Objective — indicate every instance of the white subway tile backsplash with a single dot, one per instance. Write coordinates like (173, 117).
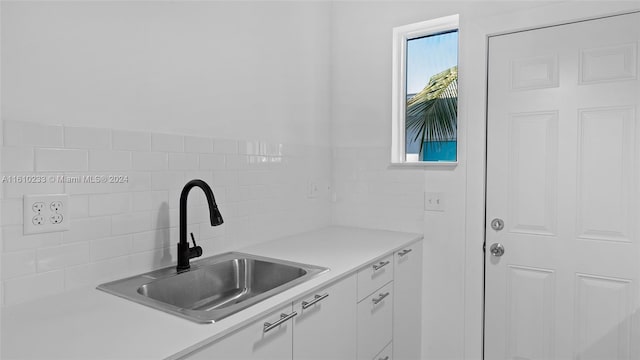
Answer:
(131, 140)
(17, 158)
(249, 147)
(61, 160)
(225, 177)
(131, 223)
(166, 180)
(224, 146)
(208, 232)
(237, 162)
(164, 218)
(255, 177)
(159, 199)
(141, 201)
(212, 161)
(78, 206)
(105, 160)
(150, 161)
(153, 259)
(90, 138)
(87, 229)
(167, 142)
(62, 256)
(97, 272)
(136, 181)
(122, 227)
(25, 288)
(13, 239)
(18, 264)
(204, 175)
(361, 181)
(42, 184)
(18, 133)
(109, 204)
(193, 144)
(86, 187)
(10, 212)
(183, 161)
(156, 239)
(237, 193)
(102, 249)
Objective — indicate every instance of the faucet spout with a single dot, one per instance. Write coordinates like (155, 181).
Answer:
(185, 252)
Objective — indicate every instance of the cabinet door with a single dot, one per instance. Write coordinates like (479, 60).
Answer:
(375, 325)
(326, 329)
(407, 303)
(252, 342)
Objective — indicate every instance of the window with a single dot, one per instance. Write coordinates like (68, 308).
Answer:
(425, 92)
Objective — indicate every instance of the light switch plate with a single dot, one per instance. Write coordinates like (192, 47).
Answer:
(45, 213)
(433, 201)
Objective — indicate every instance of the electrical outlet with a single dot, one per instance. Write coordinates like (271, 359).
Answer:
(56, 206)
(56, 218)
(45, 213)
(433, 201)
(38, 207)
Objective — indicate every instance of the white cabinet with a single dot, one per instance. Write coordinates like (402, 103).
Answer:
(254, 341)
(374, 276)
(386, 354)
(407, 303)
(322, 325)
(375, 314)
(325, 327)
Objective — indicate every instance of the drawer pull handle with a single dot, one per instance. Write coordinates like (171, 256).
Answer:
(384, 358)
(405, 252)
(380, 265)
(380, 298)
(283, 317)
(316, 298)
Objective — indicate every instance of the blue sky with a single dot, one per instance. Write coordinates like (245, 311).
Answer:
(428, 56)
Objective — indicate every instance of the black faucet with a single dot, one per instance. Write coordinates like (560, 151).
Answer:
(185, 252)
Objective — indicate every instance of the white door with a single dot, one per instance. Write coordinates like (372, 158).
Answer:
(563, 161)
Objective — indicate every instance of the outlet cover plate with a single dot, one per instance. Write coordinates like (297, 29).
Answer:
(45, 213)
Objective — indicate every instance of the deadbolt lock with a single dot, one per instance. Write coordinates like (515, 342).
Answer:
(497, 224)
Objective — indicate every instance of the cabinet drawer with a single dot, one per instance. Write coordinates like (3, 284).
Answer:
(374, 276)
(252, 341)
(375, 314)
(386, 354)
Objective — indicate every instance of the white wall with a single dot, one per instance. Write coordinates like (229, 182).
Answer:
(248, 69)
(120, 88)
(361, 123)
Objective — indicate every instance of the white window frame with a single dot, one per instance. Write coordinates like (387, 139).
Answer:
(401, 35)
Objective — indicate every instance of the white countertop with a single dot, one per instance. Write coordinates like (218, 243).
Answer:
(91, 324)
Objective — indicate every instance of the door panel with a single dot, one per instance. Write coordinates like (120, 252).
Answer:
(563, 163)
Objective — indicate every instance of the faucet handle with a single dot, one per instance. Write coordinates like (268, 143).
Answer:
(194, 240)
(195, 251)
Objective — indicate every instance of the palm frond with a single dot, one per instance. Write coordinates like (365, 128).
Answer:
(432, 113)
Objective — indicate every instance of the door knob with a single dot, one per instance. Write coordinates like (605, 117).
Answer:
(497, 249)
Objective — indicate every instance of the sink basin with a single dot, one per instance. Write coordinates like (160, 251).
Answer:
(214, 287)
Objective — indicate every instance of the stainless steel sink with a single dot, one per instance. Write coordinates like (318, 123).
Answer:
(214, 287)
